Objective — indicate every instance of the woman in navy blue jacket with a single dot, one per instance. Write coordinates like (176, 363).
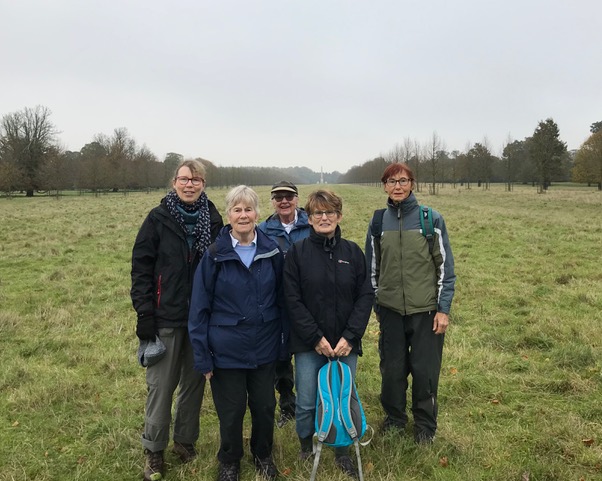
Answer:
(237, 332)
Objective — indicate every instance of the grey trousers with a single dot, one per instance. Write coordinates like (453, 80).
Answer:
(162, 379)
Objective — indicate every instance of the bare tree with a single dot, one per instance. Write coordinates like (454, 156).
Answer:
(433, 161)
(10, 178)
(27, 138)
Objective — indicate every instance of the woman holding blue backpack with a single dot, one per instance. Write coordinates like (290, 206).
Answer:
(329, 300)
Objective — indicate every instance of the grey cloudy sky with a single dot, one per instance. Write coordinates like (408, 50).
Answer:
(318, 83)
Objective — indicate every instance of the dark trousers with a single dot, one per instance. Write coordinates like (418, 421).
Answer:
(408, 345)
(285, 381)
(232, 389)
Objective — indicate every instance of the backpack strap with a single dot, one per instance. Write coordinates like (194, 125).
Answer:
(377, 222)
(427, 227)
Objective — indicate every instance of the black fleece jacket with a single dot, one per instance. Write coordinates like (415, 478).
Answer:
(163, 266)
(327, 292)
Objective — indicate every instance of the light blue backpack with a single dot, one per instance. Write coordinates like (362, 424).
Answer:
(340, 418)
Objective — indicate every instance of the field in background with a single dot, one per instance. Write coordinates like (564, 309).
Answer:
(520, 390)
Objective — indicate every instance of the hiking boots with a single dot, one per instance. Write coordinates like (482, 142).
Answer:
(424, 437)
(284, 418)
(228, 472)
(154, 466)
(305, 455)
(266, 468)
(307, 448)
(345, 464)
(185, 452)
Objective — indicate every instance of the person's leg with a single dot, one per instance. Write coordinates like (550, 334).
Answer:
(190, 394)
(161, 379)
(229, 389)
(262, 406)
(285, 381)
(425, 361)
(393, 350)
(307, 365)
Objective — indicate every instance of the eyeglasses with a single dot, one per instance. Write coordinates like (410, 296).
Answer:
(195, 180)
(402, 181)
(330, 214)
(280, 197)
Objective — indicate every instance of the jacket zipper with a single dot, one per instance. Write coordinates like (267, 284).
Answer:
(159, 291)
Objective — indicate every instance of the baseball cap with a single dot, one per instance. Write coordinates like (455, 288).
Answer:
(286, 186)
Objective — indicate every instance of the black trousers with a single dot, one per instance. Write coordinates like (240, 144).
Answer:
(285, 381)
(408, 345)
(232, 389)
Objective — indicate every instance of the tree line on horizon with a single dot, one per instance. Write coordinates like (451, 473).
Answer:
(31, 160)
(538, 160)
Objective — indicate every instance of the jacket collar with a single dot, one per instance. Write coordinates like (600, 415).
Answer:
(405, 206)
(325, 242)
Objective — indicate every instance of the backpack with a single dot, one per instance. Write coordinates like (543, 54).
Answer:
(340, 418)
(426, 225)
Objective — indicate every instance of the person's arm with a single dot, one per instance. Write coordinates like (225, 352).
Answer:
(372, 258)
(201, 302)
(446, 281)
(447, 275)
(144, 258)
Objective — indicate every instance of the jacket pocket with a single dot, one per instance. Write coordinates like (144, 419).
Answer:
(221, 320)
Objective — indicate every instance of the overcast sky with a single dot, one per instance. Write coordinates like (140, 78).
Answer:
(318, 83)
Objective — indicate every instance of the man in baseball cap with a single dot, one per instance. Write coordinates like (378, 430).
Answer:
(286, 225)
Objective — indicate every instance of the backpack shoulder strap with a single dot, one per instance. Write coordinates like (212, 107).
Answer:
(426, 225)
(377, 222)
(325, 414)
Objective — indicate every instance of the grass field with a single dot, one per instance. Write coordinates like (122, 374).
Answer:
(520, 391)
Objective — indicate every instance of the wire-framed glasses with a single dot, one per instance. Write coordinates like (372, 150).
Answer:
(196, 181)
(330, 214)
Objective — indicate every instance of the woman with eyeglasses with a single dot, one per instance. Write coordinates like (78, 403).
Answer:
(414, 283)
(329, 300)
(171, 241)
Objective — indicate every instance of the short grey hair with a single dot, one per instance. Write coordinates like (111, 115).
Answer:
(242, 194)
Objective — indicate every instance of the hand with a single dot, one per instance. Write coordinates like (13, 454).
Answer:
(208, 375)
(145, 328)
(343, 348)
(440, 323)
(323, 348)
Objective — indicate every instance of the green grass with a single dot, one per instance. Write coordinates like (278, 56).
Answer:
(520, 390)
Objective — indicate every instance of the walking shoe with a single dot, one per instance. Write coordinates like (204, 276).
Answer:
(424, 437)
(154, 466)
(186, 452)
(284, 418)
(345, 464)
(228, 472)
(390, 426)
(266, 468)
